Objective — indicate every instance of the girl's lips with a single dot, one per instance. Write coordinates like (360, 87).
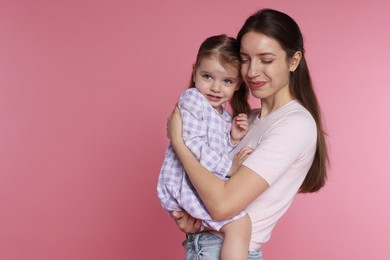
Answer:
(213, 98)
(256, 84)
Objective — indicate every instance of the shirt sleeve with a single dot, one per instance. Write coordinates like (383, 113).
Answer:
(287, 143)
(194, 108)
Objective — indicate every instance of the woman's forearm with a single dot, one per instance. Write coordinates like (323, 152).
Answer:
(223, 199)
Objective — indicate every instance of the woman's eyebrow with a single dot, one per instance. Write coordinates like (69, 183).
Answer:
(259, 54)
(266, 54)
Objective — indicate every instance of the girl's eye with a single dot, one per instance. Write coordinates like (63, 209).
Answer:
(206, 76)
(244, 60)
(267, 61)
(228, 81)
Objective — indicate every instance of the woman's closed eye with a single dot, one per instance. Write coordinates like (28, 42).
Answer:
(266, 61)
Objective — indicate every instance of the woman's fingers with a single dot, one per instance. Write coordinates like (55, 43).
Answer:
(186, 222)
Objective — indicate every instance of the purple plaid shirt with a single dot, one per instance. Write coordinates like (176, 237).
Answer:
(207, 134)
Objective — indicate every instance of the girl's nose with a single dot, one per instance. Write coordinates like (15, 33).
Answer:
(215, 87)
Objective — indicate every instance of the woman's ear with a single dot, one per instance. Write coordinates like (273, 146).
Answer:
(294, 61)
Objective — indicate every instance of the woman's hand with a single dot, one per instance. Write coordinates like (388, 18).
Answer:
(186, 222)
(174, 125)
(238, 159)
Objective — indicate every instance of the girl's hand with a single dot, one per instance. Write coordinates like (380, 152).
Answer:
(174, 125)
(186, 222)
(238, 159)
(239, 127)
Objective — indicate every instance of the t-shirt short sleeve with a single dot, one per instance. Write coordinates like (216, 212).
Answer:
(285, 142)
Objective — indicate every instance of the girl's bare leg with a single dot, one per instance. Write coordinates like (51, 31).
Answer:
(236, 241)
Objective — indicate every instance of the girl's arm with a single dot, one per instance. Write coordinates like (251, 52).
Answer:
(223, 199)
(239, 128)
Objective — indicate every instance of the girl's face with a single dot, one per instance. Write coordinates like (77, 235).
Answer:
(216, 82)
(264, 67)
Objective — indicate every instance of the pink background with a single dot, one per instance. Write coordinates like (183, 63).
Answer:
(85, 89)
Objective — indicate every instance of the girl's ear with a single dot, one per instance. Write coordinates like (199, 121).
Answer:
(294, 61)
(239, 85)
(193, 72)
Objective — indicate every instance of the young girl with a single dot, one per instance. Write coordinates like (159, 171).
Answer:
(210, 133)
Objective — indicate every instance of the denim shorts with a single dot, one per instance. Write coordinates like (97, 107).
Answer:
(207, 246)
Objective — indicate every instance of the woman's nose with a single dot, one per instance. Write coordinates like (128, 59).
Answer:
(254, 69)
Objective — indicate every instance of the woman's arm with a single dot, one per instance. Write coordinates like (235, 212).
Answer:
(223, 199)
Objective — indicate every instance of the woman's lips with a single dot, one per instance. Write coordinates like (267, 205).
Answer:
(256, 84)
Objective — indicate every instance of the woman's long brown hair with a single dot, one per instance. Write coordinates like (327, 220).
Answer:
(285, 30)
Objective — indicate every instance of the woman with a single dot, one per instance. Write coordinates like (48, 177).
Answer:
(284, 151)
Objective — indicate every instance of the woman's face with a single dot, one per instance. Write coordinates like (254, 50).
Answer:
(265, 68)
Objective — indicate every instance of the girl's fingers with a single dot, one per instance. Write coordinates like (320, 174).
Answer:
(245, 151)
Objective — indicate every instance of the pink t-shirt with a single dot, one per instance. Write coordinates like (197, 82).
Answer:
(284, 143)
